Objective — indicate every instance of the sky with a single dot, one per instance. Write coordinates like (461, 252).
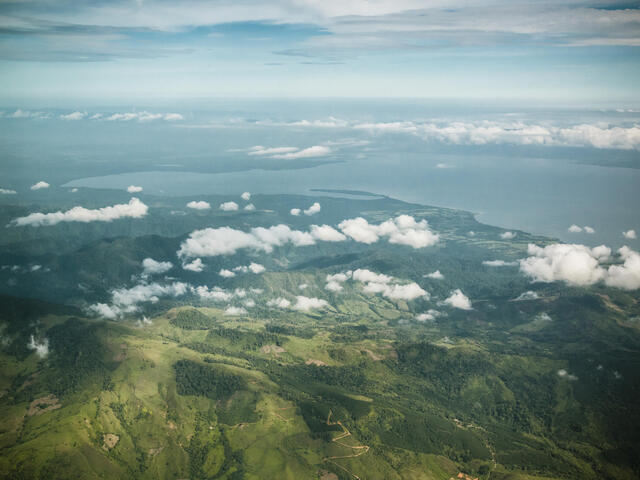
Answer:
(569, 51)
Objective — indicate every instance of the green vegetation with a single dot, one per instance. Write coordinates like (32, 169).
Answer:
(359, 389)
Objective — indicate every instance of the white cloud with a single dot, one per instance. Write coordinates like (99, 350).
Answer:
(134, 189)
(428, 316)
(41, 348)
(246, 196)
(313, 209)
(279, 303)
(215, 294)
(434, 275)
(575, 228)
(515, 133)
(457, 299)
(528, 295)
(402, 230)
(444, 166)
(339, 277)
(256, 268)
(74, 190)
(508, 235)
(333, 286)
(127, 300)
(229, 206)
(74, 116)
(260, 150)
(588, 229)
(310, 152)
(199, 205)
(365, 276)
(573, 264)
(308, 303)
(499, 263)
(562, 373)
(627, 275)
(295, 212)
(249, 303)
(250, 207)
(6, 191)
(303, 286)
(226, 241)
(40, 185)
(134, 209)
(226, 273)
(143, 322)
(152, 267)
(195, 266)
(142, 117)
(326, 233)
(630, 234)
(409, 291)
(235, 311)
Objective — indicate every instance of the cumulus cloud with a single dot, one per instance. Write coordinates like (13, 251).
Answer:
(227, 241)
(528, 295)
(457, 299)
(134, 209)
(6, 191)
(199, 205)
(630, 234)
(134, 189)
(249, 303)
(363, 275)
(256, 268)
(403, 230)
(588, 229)
(508, 235)
(279, 303)
(562, 373)
(428, 316)
(127, 300)
(41, 347)
(313, 209)
(250, 207)
(215, 294)
(260, 150)
(514, 133)
(229, 206)
(326, 233)
(573, 264)
(409, 291)
(499, 263)
(627, 275)
(290, 153)
(152, 267)
(40, 185)
(434, 275)
(376, 283)
(309, 303)
(73, 116)
(581, 266)
(575, 228)
(333, 286)
(246, 196)
(226, 273)
(310, 152)
(142, 117)
(235, 311)
(195, 266)
(295, 212)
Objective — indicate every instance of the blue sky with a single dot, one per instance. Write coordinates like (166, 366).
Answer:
(567, 51)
